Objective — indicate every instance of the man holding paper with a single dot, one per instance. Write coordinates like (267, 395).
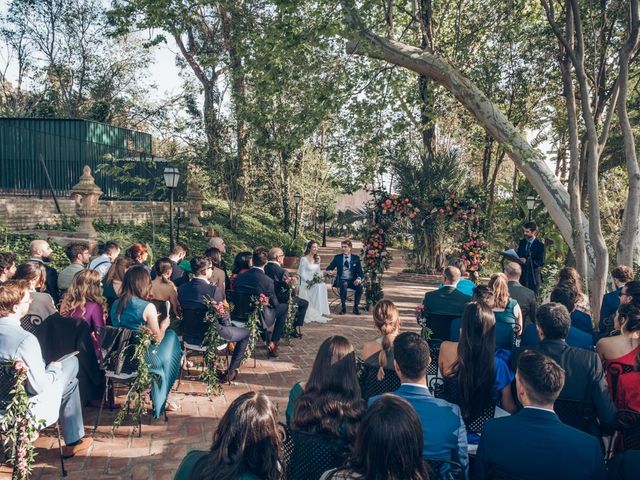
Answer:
(531, 257)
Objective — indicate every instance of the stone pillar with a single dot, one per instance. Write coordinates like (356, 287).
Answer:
(86, 194)
(194, 205)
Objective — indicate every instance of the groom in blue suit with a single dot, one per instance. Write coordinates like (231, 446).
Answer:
(350, 275)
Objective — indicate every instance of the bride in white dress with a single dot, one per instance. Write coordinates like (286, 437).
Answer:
(316, 295)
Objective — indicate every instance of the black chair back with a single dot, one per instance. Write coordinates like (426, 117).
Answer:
(193, 322)
(473, 424)
(444, 469)
(371, 386)
(163, 309)
(308, 456)
(434, 352)
(117, 346)
(7, 384)
(507, 335)
(31, 323)
(580, 415)
(629, 426)
(242, 305)
(615, 369)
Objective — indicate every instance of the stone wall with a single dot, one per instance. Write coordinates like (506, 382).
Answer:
(24, 213)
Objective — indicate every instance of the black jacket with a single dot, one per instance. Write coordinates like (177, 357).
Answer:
(526, 299)
(275, 272)
(254, 281)
(531, 277)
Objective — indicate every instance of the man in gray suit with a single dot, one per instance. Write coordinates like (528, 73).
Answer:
(53, 388)
(525, 296)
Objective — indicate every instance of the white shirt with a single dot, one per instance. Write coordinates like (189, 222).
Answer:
(101, 264)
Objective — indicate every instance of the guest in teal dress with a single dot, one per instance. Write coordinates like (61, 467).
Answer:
(247, 445)
(133, 310)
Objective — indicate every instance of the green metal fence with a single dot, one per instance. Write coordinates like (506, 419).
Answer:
(120, 159)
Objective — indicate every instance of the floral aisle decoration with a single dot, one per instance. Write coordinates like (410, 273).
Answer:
(292, 312)
(388, 211)
(19, 425)
(253, 322)
(421, 319)
(142, 382)
(217, 312)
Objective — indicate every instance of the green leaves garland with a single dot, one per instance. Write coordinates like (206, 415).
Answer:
(141, 384)
(292, 312)
(19, 425)
(253, 322)
(421, 318)
(217, 311)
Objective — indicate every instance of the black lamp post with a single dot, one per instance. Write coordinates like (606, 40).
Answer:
(171, 179)
(531, 204)
(178, 219)
(324, 226)
(297, 198)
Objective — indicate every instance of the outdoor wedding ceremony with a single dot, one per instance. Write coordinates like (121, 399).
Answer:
(320, 240)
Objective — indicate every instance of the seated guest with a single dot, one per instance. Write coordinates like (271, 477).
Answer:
(34, 274)
(217, 242)
(576, 337)
(280, 277)
(525, 297)
(138, 253)
(177, 255)
(242, 263)
(246, 444)
(579, 319)
(162, 288)
(624, 350)
(378, 354)
(446, 301)
(53, 388)
(390, 426)
(479, 374)
(41, 252)
(133, 310)
(570, 277)
(329, 402)
(217, 276)
(465, 285)
(7, 266)
(256, 282)
(196, 295)
(113, 280)
(505, 309)
(84, 300)
(585, 381)
(533, 444)
(102, 263)
(621, 275)
(445, 436)
(79, 256)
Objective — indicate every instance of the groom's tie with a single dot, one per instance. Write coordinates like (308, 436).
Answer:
(346, 264)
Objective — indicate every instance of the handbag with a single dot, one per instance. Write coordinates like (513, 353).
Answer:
(117, 350)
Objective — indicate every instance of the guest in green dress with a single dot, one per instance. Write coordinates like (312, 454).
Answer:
(247, 445)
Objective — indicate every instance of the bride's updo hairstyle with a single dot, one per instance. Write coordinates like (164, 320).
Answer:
(307, 250)
(386, 318)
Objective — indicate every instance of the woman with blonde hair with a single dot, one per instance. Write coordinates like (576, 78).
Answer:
(505, 308)
(84, 299)
(386, 318)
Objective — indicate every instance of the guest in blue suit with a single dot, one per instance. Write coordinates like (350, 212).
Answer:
(621, 275)
(464, 285)
(53, 389)
(578, 336)
(534, 444)
(445, 436)
(350, 275)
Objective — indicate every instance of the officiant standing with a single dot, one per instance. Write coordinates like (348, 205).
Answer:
(531, 253)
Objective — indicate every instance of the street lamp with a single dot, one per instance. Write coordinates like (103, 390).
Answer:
(531, 204)
(179, 211)
(324, 226)
(297, 198)
(171, 179)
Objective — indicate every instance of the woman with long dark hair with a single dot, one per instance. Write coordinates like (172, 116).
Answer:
(312, 285)
(570, 277)
(388, 445)
(247, 445)
(162, 288)
(329, 402)
(134, 310)
(481, 372)
(241, 264)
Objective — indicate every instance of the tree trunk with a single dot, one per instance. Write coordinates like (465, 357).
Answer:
(486, 160)
(492, 189)
(629, 228)
(528, 160)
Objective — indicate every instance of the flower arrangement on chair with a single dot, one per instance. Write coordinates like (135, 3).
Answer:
(253, 322)
(217, 311)
(292, 312)
(19, 425)
(141, 383)
(421, 318)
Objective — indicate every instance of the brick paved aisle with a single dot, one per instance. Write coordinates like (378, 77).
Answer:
(157, 454)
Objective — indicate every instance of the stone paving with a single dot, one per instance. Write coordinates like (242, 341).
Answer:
(158, 452)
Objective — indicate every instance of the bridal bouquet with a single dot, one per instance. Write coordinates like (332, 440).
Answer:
(317, 278)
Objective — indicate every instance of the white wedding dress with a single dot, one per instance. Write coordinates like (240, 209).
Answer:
(316, 295)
